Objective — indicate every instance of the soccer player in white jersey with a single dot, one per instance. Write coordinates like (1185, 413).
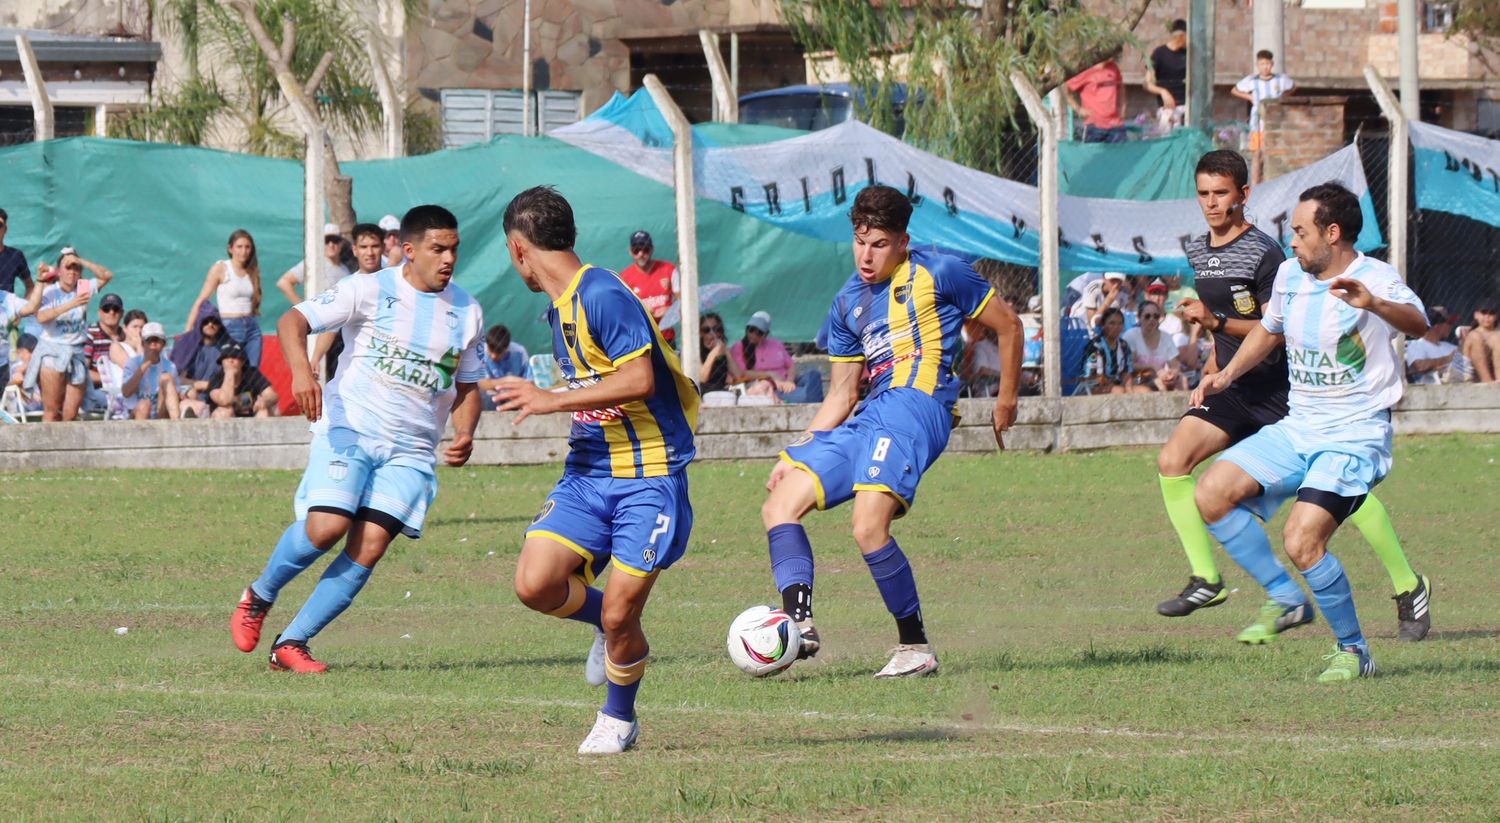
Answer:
(413, 349)
(1337, 312)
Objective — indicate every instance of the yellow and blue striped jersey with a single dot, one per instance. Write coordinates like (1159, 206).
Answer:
(906, 328)
(598, 324)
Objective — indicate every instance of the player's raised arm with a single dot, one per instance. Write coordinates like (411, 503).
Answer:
(1258, 344)
(842, 395)
(998, 315)
(631, 381)
(466, 408)
(1404, 317)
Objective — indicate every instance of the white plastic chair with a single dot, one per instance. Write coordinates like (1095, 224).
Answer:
(13, 407)
(719, 398)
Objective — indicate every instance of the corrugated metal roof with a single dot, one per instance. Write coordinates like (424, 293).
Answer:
(52, 47)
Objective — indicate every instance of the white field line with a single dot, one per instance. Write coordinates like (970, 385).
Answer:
(1323, 742)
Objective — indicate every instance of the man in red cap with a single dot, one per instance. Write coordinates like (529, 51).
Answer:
(656, 282)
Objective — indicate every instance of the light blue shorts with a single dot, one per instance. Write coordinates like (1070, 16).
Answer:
(347, 475)
(1289, 455)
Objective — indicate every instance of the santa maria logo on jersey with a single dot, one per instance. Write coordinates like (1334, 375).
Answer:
(1244, 300)
(409, 368)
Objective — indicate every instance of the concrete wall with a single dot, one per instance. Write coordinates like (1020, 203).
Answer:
(724, 434)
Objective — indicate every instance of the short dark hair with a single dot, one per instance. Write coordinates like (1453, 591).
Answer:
(134, 314)
(1265, 54)
(1336, 205)
(1179, 25)
(881, 207)
(4, 216)
(498, 338)
(1112, 311)
(362, 229)
(543, 217)
(422, 219)
(1224, 163)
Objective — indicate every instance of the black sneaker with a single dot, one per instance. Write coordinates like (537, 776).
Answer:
(1199, 594)
(811, 643)
(1412, 613)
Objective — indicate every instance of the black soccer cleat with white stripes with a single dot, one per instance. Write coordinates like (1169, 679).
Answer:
(1413, 611)
(1199, 594)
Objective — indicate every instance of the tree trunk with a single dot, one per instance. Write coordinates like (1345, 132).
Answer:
(339, 188)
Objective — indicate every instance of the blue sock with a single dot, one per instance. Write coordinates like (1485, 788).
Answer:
(1246, 542)
(1330, 587)
(341, 582)
(590, 611)
(624, 682)
(293, 554)
(899, 590)
(792, 567)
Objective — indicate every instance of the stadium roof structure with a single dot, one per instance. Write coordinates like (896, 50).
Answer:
(53, 47)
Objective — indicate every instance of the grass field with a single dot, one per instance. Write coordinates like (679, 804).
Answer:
(1062, 695)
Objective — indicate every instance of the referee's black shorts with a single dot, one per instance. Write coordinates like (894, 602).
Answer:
(1243, 410)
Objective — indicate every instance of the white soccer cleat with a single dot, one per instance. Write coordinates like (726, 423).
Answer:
(593, 668)
(610, 735)
(910, 660)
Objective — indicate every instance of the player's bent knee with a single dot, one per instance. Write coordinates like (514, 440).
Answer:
(539, 592)
(871, 536)
(323, 531)
(619, 618)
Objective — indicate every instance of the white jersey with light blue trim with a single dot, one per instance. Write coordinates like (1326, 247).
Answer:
(404, 350)
(1341, 360)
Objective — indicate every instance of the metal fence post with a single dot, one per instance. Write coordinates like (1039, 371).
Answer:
(41, 104)
(1397, 186)
(687, 220)
(1047, 269)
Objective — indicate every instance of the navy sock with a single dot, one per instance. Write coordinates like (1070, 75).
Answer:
(624, 682)
(1330, 587)
(293, 554)
(593, 605)
(899, 590)
(1246, 542)
(341, 582)
(792, 568)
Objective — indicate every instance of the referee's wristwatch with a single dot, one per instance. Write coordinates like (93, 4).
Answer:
(1222, 320)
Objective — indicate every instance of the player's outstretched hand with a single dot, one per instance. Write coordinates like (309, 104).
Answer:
(519, 394)
(459, 450)
(782, 469)
(1210, 385)
(309, 395)
(1004, 418)
(1352, 291)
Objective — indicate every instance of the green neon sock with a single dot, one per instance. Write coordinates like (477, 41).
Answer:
(1374, 523)
(1177, 493)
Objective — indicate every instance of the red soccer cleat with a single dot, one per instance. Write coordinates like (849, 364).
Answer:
(245, 623)
(294, 656)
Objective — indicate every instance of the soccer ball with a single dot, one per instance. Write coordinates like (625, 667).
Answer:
(763, 641)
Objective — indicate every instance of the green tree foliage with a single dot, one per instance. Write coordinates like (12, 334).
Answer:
(1479, 21)
(956, 57)
(232, 79)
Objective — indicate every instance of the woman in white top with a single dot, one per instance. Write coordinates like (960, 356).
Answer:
(1156, 352)
(235, 285)
(58, 366)
(121, 352)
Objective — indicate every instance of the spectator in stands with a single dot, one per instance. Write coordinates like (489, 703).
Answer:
(31, 399)
(105, 332)
(12, 309)
(1108, 367)
(1098, 92)
(240, 390)
(504, 357)
(1481, 345)
(1166, 77)
(1172, 324)
(235, 284)
(202, 366)
(1429, 357)
(1108, 292)
(13, 265)
(714, 374)
(979, 367)
(390, 225)
(1265, 84)
(332, 270)
(121, 352)
(151, 387)
(368, 259)
(656, 282)
(59, 365)
(1155, 352)
(765, 363)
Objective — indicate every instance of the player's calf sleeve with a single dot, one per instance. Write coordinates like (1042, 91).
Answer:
(293, 554)
(1374, 522)
(1177, 494)
(624, 682)
(792, 568)
(1330, 587)
(1246, 542)
(584, 603)
(334, 592)
(898, 588)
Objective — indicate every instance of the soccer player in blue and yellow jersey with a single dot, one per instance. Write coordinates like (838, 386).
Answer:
(898, 316)
(623, 496)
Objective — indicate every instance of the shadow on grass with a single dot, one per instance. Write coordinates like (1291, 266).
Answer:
(1006, 661)
(475, 664)
(1444, 667)
(478, 521)
(937, 734)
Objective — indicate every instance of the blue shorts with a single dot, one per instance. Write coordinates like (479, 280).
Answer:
(1288, 456)
(642, 523)
(349, 473)
(886, 447)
